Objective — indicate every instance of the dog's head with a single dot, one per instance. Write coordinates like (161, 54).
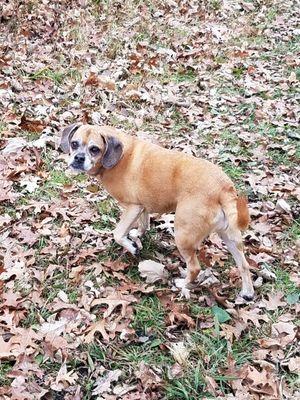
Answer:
(90, 148)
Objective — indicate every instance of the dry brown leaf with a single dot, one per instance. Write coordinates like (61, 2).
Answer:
(233, 331)
(179, 315)
(180, 352)
(152, 271)
(31, 125)
(252, 315)
(285, 332)
(114, 301)
(294, 364)
(274, 301)
(98, 326)
(6, 349)
(64, 378)
(147, 376)
(260, 382)
(103, 384)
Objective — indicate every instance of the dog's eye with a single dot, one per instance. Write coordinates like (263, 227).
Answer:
(74, 145)
(94, 150)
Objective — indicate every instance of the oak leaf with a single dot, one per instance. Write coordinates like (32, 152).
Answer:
(64, 378)
(98, 326)
(152, 271)
(103, 384)
(252, 315)
(274, 301)
(114, 301)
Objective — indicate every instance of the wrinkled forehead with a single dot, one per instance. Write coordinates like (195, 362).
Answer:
(87, 136)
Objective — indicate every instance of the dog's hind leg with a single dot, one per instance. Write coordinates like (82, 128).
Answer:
(191, 228)
(127, 220)
(233, 241)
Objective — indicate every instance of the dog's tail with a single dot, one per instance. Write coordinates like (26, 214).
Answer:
(235, 208)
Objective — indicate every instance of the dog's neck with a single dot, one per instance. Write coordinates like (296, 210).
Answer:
(97, 170)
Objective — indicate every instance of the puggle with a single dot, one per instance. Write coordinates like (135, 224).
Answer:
(146, 178)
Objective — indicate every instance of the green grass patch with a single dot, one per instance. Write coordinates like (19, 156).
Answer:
(282, 283)
(49, 74)
(149, 316)
(33, 316)
(108, 215)
(149, 353)
(294, 231)
(208, 355)
(280, 157)
(235, 172)
(182, 75)
(238, 71)
(229, 139)
(5, 368)
(52, 186)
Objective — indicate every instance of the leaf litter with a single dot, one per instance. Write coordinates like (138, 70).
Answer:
(216, 80)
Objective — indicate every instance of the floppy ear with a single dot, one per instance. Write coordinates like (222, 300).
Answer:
(66, 136)
(113, 152)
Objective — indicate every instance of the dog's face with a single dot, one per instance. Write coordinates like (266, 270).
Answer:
(89, 149)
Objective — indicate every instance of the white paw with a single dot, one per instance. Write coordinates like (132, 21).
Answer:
(133, 249)
(130, 246)
(134, 234)
(247, 295)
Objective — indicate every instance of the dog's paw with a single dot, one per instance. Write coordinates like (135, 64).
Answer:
(133, 249)
(247, 296)
(135, 238)
(134, 234)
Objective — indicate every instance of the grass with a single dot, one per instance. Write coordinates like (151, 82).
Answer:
(48, 73)
(282, 283)
(5, 368)
(149, 316)
(149, 353)
(32, 318)
(208, 355)
(53, 185)
(294, 231)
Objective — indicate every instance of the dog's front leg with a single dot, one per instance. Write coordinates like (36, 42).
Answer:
(127, 220)
(142, 225)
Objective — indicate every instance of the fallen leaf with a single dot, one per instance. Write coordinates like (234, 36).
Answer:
(294, 364)
(64, 378)
(285, 332)
(114, 301)
(180, 352)
(98, 326)
(14, 145)
(31, 125)
(152, 271)
(274, 301)
(103, 384)
(220, 314)
(147, 376)
(252, 315)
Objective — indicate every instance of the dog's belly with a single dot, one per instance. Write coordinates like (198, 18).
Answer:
(159, 208)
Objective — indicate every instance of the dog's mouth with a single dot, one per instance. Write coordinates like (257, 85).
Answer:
(77, 166)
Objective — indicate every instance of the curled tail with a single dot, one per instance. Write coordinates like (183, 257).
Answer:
(235, 209)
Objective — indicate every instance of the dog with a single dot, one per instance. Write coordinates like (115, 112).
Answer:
(146, 178)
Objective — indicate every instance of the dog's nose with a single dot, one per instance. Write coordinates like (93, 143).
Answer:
(80, 157)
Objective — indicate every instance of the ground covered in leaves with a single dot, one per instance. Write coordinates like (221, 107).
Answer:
(216, 79)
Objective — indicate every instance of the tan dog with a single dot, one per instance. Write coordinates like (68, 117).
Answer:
(146, 178)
